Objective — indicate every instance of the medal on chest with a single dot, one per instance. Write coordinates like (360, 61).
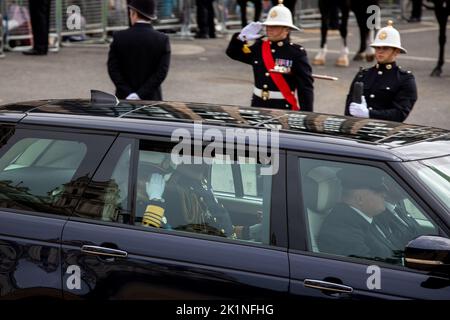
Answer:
(282, 66)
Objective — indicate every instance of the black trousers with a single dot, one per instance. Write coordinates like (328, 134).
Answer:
(416, 9)
(40, 22)
(205, 17)
(243, 5)
(359, 8)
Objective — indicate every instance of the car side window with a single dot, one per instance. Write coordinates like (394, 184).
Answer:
(45, 172)
(179, 197)
(359, 211)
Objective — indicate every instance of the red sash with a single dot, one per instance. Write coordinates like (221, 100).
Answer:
(277, 78)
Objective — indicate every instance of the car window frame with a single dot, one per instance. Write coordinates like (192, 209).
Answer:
(106, 170)
(278, 218)
(298, 241)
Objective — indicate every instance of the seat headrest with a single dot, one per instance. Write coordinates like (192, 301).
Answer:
(328, 189)
(310, 192)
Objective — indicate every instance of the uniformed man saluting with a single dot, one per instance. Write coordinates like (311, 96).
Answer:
(280, 67)
(389, 92)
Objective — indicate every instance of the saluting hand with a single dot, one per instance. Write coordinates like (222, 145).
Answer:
(155, 187)
(251, 31)
(359, 109)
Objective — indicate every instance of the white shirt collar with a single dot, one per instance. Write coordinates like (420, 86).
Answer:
(143, 21)
(389, 206)
(368, 219)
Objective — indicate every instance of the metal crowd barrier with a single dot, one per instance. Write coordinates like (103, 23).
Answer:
(100, 17)
(1, 29)
(17, 32)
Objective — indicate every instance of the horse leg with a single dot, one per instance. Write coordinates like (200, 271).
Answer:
(442, 17)
(320, 58)
(360, 13)
(342, 60)
(370, 52)
(370, 34)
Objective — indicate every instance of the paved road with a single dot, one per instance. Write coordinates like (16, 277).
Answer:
(201, 72)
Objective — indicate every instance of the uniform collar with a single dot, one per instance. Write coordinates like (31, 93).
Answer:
(140, 24)
(385, 66)
(280, 43)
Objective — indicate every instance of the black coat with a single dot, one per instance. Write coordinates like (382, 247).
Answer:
(138, 61)
(389, 90)
(402, 227)
(300, 79)
(344, 232)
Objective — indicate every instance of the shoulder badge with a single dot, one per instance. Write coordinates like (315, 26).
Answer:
(403, 71)
(246, 49)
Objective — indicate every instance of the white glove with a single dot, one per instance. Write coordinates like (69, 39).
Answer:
(155, 187)
(133, 96)
(359, 109)
(250, 31)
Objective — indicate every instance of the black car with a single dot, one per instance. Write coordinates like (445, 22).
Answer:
(94, 204)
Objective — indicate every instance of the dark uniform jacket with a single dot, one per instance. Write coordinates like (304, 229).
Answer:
(138, 61)
(300, 78)
(189, 204)
(345, 232)
(192, 206)
(389, 90)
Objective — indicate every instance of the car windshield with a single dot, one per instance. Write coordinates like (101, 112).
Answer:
(435, 174)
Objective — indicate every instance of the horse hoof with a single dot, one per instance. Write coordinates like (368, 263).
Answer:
(342, 61)
(370, 57)
(318, 62)
(436, 72)
(359, 56)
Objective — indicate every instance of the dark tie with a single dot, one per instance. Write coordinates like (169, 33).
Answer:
(380, 234)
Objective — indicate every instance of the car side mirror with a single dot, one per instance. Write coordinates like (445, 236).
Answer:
(428, 253)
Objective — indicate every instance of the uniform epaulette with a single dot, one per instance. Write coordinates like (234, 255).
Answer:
(403, 71)
(297, 46)
(362, 69)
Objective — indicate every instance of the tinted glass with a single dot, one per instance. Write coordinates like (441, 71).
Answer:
(359, 211)
(434, 174)
(180, 197)
(47, 171)
(107, 196)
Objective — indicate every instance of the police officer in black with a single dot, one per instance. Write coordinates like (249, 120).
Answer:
(389, 92)
(139, 57)
(280, 67)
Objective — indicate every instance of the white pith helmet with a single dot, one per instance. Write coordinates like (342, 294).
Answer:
(279, 15)
(388, 37)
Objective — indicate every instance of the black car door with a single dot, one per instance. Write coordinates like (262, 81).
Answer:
(42, 174)
(109, 253)
(321, 270)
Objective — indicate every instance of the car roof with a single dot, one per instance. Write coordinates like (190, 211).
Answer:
(377, 139)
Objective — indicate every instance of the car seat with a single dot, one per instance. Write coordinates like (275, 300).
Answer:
(321, 191)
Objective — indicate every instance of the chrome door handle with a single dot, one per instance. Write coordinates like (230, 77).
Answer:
(103, 251)
(327, 286)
